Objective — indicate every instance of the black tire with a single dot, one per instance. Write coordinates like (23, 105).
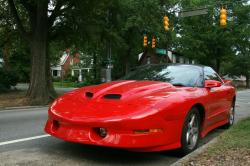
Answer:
(231, 117)
(190, 139)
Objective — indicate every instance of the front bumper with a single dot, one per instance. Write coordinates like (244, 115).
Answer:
(86, 134)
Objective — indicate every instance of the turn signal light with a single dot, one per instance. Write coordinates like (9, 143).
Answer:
(146, 131)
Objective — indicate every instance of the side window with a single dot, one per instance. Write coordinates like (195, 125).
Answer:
(210, 74)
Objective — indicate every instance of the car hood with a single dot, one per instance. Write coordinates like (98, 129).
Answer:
(117, 98)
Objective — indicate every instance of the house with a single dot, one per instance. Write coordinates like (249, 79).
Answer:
(70, 65)
(238, 81)
(167, 57)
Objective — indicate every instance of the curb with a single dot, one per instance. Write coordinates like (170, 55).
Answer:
(183, 161)
(21, 107)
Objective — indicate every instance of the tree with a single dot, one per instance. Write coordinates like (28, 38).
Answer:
(7, 33)
(202, 38)
(240, 63)
(35, 22)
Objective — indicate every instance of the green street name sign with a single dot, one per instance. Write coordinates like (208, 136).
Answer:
(161, 51)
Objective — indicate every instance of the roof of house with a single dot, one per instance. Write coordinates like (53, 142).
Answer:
(64, 58)
(237, 78)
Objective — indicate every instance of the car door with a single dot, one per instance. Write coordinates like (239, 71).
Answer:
(216, 101)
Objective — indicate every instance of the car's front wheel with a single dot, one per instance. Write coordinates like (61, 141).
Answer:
(190, 132)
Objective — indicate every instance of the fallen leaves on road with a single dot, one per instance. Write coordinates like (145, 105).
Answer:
(13, 99)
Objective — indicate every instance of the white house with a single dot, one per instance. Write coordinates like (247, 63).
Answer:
(71, 65)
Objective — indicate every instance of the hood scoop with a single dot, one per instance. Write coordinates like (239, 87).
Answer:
(89, 94)
(112, 96)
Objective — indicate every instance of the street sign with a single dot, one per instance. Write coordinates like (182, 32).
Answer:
(191, 13)
(161, 51)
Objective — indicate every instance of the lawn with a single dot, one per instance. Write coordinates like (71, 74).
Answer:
(65, 84)
(231, 148)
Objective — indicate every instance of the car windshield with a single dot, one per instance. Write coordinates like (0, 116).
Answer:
(178, 75)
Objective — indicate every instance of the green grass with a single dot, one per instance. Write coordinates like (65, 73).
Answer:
(231, 148)
(236, 137)
(65, 84)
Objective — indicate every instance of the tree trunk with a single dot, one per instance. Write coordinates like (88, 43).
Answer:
(247, 81)
(41, 90)
(6, 53)
(127, 62)
(218, 62)
(95, 66)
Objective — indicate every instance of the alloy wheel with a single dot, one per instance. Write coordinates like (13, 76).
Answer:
(231, 115)
(192, 133)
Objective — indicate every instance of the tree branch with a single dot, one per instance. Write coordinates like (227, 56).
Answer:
(55, 13)
(58, 11)
(27, 5)
(18, 20)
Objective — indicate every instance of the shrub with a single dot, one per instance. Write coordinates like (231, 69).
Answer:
(70, 78)
(7, 79)
(88, 80)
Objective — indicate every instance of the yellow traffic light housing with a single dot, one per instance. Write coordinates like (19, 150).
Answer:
(223, 17)
(145, 41)
(166, 23)
(153, 42)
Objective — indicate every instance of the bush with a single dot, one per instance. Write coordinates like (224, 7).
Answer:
(7, 79)
(56, 79)
(87, 81)
(70, 78)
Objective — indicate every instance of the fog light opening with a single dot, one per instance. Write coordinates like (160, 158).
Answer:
(102, 132)
(56, 125)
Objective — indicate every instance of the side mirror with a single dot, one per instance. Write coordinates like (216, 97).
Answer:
(212, 83)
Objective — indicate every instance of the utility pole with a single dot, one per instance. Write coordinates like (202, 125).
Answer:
(109, 65)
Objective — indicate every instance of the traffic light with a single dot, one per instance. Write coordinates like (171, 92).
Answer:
(166, 23)
(223, 17)
(153, 42)
(145, 41)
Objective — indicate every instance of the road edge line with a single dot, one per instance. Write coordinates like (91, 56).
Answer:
(21, 107)
(23, 139)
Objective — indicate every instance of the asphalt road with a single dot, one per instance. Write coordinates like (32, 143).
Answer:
(23, 142)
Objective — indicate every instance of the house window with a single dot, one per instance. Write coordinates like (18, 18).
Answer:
(55, 73)
(148, 60)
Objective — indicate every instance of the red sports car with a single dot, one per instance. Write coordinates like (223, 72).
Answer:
(154, 108)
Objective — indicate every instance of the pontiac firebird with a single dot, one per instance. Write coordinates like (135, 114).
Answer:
(153, 108)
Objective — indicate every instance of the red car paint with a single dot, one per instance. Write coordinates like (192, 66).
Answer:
(142, 105)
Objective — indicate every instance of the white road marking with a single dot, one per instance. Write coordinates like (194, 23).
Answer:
(23, 139)
(7, 110)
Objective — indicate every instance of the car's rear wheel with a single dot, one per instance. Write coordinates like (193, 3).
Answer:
(231, 117)
(190, 132)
